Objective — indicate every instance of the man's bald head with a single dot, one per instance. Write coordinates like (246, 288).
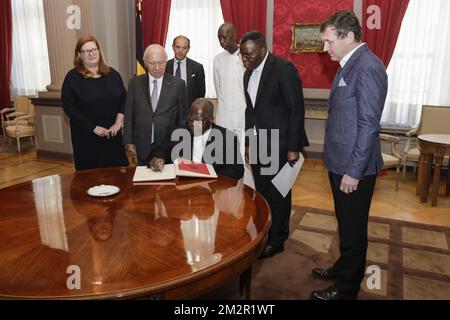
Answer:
(228, 27)
(227, 37)
(155, 58)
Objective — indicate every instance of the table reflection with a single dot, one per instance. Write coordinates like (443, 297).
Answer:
(50, 214)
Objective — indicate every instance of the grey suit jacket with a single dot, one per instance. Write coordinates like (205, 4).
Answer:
(352, 142)
(170, 113)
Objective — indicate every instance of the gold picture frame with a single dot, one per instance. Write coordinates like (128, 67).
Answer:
(306, 38)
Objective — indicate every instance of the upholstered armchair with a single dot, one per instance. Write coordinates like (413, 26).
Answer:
(22, 107)
(434, 120)
(394, 159)
(18, 130)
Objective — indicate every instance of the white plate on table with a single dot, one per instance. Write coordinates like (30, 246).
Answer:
(103, 191)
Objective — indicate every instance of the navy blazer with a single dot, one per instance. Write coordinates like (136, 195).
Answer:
(352, 142)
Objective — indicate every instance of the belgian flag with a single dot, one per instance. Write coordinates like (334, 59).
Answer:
(140, 65)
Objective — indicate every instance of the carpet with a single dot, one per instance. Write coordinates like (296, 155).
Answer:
(405, 261)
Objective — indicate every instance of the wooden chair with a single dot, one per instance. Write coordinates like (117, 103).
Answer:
(18, 130)
(434, 120)
(22, 107)
(394, 159)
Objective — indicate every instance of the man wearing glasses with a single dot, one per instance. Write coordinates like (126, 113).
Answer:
(155, 106)
(274, 96)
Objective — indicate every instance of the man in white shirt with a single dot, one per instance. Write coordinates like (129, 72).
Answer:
(228, 80)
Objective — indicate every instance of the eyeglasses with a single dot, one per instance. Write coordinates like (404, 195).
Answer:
(198, 118)
(88, 52)
(249, 55)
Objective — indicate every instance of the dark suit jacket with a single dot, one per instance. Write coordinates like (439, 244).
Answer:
(279, 105)
(352, 142)
(195, 79)
(234, 169)
(170, 113)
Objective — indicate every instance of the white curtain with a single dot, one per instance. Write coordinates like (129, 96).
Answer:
(30, 67)
(198, 20)
(418, 72)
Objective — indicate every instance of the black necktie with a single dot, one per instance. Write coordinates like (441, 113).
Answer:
(178, 72)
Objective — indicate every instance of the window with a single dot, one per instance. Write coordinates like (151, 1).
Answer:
(198, 20)
(30, 67)
(417, 72)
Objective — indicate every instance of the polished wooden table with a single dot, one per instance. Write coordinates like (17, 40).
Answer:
(433, 148)
(148, 241)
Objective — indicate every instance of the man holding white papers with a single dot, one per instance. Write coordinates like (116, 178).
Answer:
(274, 98)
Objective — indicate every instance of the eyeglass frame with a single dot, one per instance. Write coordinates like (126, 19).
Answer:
(90, 51)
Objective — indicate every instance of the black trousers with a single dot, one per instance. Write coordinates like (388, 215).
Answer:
(279, 206)
(352, 213)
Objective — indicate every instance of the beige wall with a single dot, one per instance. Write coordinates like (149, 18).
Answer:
(112, 24)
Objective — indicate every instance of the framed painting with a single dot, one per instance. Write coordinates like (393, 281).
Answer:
(306, 38)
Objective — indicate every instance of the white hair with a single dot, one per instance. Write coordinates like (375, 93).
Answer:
(154, 47)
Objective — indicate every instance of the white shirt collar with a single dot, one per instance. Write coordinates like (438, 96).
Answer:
(347, 57)
(151, 78)
(261, 65)
(175, 60)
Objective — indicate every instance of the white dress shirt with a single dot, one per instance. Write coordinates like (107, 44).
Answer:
(255, 78)
(229, 83)
(199, 146)
(347, 57)
(182, 67)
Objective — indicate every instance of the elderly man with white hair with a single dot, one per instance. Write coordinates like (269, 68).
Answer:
(155, 106)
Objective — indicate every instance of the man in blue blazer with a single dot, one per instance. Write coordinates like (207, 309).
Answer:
(352, 148)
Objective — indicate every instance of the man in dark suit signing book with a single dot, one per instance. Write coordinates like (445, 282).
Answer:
(202, 141)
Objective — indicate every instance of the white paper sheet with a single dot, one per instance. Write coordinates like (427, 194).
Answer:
(143, 173)
(285, 179)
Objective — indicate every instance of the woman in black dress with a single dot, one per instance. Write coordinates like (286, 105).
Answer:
(93, 97)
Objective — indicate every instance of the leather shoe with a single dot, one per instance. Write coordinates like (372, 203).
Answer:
(333, 293)
(325, 274)
(270, 250)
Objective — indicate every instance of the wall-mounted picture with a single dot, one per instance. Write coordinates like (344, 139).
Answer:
(306, 38)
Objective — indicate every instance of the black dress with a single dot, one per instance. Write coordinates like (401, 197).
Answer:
(91, 102)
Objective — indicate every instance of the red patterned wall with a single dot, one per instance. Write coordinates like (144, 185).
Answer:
(316, 69)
